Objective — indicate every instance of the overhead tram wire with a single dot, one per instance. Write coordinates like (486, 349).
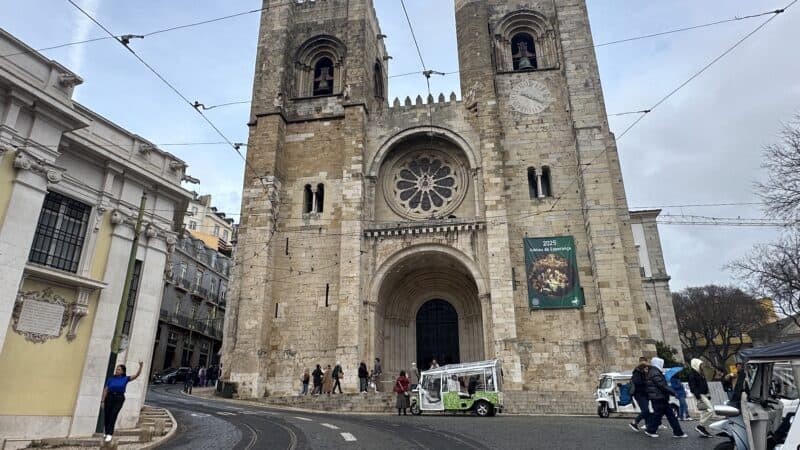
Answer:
(646, 112)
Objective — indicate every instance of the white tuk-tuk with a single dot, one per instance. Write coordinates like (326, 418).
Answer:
(609, 395)
(469, 387)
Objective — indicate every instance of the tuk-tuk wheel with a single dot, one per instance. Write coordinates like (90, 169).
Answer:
(415, 410)
(603, 411)
(725, 446)
(483, 408)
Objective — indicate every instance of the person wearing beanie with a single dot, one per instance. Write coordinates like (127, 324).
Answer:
(699, 387)
(659, 392)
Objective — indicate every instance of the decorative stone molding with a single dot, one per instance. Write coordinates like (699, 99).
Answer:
(69, 81)
(24, 161)
(176, 166)
(277, 102)
(171, 239)
(24, 320)
(145, 149)
(151, 231)
(425, 228)
(78, 311)
(118, 217)
(100, 212)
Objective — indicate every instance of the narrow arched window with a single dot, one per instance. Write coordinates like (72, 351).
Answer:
(523, 51)
(533, 183)
(547, 190)
(379, 81)
(308, 199)
(323, 77)
(320, 194)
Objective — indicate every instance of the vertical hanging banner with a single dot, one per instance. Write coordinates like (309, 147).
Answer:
(552, 273)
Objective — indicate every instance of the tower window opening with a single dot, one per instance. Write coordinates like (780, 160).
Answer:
(546, 189)
(379, 94)
(523, 51)
(308, 199)
(533, 183)
(320, 198)
(323, 77)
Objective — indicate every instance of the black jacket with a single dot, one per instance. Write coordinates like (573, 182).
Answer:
(698, 384)
(657, 387)
(639, 381)
(317, 374)
(362, 371)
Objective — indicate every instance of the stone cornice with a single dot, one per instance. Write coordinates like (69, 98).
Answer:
(428, 227)
(149, 229)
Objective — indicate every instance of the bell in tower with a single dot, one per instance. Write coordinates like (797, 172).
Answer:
(525, 52)
(323, 83)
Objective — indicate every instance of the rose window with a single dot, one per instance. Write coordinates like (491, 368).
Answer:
(425, 185)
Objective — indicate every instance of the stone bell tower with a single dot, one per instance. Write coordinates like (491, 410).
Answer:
(550, 168)
(320, 72)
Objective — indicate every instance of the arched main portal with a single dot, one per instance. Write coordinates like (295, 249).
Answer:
(437, 334)
(427, 302)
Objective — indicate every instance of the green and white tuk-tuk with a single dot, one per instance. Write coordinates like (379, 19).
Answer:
(464, 387)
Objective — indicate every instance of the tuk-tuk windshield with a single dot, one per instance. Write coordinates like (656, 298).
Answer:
(606, 383)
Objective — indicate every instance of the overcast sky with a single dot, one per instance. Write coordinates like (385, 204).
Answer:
(702, 146)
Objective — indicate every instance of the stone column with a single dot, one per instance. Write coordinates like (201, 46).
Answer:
(19, 227)
(87, 406)
(143, 326)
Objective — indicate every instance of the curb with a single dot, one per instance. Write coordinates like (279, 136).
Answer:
(167, 437)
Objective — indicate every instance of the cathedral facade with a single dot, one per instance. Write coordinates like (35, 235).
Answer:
(490, 225)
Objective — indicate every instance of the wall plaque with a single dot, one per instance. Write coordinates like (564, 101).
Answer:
(40, 315)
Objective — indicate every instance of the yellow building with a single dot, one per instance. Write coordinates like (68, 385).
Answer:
(209, 225)
(70, 186)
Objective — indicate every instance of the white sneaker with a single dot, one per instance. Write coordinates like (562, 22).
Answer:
(108, 438)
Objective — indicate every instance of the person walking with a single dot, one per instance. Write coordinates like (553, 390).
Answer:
(413, 375)
(305, 378)
(188, 382)
(327, 380)
(201, 374)
(677, 386)
(698, 385)
(338, 373)
(114, 397)
(317, 375)
(659, 391)
(639, 388)
(363, 375)
(401, 388)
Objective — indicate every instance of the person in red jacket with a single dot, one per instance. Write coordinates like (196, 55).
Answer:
(401, 387)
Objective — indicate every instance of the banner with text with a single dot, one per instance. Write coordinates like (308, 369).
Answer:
(552, 273)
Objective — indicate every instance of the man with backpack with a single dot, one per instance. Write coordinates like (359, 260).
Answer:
(638, 391)
(699, 387)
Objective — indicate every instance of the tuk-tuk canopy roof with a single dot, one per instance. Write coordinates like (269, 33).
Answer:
(464, 367)
(776, 352)
(626, 374)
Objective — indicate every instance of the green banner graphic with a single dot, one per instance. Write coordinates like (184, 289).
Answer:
(552, 273)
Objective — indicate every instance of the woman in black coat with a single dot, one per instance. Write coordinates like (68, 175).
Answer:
(363, 375)
(317, 375)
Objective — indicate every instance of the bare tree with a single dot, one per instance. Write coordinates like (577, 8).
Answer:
(781, 191)
(773, 270)
(713, 320)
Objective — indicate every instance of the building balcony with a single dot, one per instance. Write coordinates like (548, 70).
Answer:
(183, 284)
(200, 292)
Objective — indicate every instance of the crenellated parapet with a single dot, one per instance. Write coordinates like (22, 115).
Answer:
(425, 105)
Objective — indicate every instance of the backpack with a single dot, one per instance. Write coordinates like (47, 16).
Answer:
(625, 397)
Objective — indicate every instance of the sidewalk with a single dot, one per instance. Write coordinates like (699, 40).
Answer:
(156, 426)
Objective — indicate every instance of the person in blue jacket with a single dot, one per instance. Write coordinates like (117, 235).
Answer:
(680, 392)
(114, 397)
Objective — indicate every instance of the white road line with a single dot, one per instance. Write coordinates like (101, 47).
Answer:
(348, 437)
(224, 413)
(327, 425)
(303, 418)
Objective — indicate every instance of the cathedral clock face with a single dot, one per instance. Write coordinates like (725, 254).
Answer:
(530, 97)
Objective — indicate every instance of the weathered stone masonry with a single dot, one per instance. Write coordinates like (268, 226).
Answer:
(345, 284)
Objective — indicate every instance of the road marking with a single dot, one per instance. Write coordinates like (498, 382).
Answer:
(348, 437)
(200, 415)
(303, 418)
(327, 425)
(225, 413)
